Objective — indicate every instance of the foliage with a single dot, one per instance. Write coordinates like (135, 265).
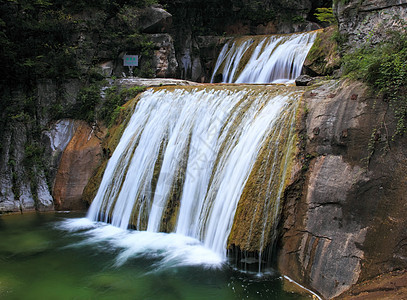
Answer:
(338, 37)
(34, 38)
(86, 103)
(325, 15)
(384, 68)
(33, 155)
(114, 99)
(298, 19)
(61, 40)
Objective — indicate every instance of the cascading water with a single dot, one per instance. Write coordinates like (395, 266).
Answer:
(263, 59)
(186, 156)
(210, 163)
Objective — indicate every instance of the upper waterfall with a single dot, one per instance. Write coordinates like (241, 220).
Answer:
(187, 155)
(263, 59)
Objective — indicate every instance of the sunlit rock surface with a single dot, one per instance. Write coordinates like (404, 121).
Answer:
(80, 158)
(344, 218)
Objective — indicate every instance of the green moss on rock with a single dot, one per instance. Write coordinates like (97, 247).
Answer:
(109, 144)
(323, 58)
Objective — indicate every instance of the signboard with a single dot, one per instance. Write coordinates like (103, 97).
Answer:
(130, 60)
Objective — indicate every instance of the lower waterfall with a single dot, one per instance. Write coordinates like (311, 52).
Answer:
(210, 163)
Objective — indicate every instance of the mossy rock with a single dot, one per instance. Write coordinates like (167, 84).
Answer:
(109, 144)
(323, 58)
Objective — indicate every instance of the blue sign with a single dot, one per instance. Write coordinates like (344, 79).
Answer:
(130, 60)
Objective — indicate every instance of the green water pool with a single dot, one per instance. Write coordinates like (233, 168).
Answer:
(42, 258)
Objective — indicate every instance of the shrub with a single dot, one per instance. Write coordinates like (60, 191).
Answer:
(325, 15)
(114, 99)
(384, 68)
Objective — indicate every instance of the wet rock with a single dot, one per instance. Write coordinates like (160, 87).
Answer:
(303, 80)
(79, 160)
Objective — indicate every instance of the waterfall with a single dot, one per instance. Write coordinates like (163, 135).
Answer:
(186, 156)
(263, 59)
(211, 163)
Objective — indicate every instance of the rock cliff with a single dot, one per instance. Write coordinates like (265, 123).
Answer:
(80, 158)
(369, 21)
(343, 220)
(198, 27)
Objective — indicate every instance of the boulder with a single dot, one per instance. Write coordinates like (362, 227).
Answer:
(323, 58)
(303, 80)
(55, 141)
(155, 19)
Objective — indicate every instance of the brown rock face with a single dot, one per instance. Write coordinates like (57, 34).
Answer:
(344, 219)
(78, 162)
(391, 286)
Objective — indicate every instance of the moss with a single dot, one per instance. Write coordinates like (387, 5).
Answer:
(109, 144)
(323, 57)
(255, 219)
(170, 215)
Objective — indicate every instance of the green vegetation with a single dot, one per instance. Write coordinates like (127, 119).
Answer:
(63, 40)
(323, 57)
(325, 15)
(92, 107)
(50, 50)
(114, 100)
(298, 19)
(384, 68)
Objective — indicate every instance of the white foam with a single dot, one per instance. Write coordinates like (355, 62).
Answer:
(170, 250)
(75, 224)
